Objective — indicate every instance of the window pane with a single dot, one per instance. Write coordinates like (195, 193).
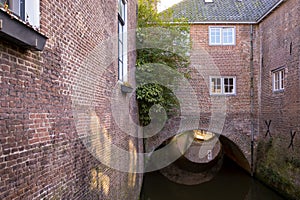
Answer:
(215, 35)
(228, 89)
(121, 50)
(216, 85)
(122, 37)
(120, 40)
(282, 79)
(278, 80)
(219, 81)
(218, 39)
(122, 9)
(228, 35)
(226, 81)
(31, 12)
(228, 86)
(14, 6)
(120, 67)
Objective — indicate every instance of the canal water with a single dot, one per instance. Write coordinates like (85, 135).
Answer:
(231, 183)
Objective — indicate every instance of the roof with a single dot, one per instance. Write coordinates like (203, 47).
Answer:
(197, 11)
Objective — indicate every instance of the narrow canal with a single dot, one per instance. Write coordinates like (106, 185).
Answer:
(231, 183)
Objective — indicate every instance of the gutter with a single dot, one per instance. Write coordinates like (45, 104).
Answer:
(225, 22)
(213, 22)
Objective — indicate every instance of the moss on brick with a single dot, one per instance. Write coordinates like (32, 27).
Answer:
(277, 170)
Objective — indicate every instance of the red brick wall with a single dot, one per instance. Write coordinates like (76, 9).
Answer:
(280, 39)
(225, 61)
(41, 154)
(228, 115)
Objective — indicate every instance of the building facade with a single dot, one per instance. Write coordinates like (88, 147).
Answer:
(247, 52)
(61, 62)
(279, 143)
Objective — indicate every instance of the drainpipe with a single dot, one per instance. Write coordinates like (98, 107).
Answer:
(252, 98)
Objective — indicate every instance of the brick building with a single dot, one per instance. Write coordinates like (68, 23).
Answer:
(61, 70)
(60, 65)
(247, 52)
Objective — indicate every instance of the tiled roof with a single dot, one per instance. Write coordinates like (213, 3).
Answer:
(223, 10)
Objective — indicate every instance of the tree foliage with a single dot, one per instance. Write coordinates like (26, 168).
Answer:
(160, 44)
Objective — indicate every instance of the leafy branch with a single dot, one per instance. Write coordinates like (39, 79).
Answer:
(159, 44)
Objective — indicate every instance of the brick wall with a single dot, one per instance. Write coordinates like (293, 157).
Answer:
(44, 152)
(279, 162)
(231, 60)
(226, 115)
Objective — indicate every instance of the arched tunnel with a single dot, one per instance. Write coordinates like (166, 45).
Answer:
(203, 158)
(210, 168)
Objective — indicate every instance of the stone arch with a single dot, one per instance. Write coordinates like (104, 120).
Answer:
(236, 142)
(235, 152)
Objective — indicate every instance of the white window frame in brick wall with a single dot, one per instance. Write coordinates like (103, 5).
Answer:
(278, 79)
(222, 85)
(221, 35)
(26, 10)
(122, 41)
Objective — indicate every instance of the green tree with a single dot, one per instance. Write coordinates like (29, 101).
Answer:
(162, 42)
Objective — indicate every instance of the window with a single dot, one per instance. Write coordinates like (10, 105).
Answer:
(278, 80)
(122, 46)
(28, 11)
(221, 35)
(20, 20)
(222, 85)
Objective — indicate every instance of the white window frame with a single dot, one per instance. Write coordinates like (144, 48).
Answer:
(221, 30)
(278, 79)
(122, 41)
(222, 85)
(27, 10)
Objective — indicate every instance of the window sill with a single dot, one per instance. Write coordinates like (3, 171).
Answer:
(17, 32)
(222, 94)
(278, 91)
(222, 45)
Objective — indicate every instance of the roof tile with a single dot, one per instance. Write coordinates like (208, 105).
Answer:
(222, 10)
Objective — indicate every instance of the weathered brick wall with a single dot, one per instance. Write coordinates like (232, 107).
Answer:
(279, 162)
(44, 153)
(226, 115)
(225, 61)
(228, 61)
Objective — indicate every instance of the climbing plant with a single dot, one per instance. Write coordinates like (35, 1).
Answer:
(160, 43)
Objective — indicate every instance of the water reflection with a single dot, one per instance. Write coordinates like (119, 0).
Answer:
(230, 183)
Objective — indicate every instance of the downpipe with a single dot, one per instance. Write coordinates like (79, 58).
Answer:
(252, 99)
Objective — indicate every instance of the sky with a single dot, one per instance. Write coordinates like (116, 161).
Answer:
(164, 4)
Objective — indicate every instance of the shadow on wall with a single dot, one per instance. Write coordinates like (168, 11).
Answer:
(234, 153)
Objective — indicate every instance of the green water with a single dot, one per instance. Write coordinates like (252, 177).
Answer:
(231, 183)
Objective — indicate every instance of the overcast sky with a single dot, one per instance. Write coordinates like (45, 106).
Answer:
(166, 3)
